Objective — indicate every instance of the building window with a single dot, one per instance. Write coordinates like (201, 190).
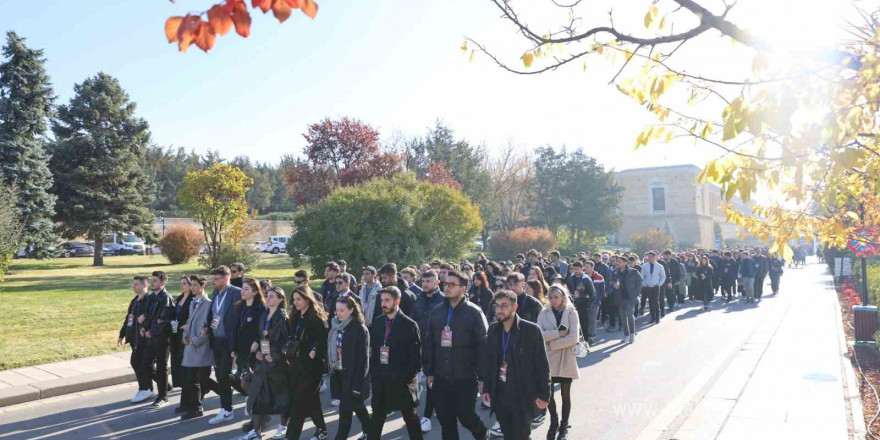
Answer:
(658, 199)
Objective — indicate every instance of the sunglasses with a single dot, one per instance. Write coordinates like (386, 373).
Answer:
(340, 283)
(299, 280)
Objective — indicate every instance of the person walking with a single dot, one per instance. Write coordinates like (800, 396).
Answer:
(529, 306)
(629, 284)
(430, 297)
(705, 277)
(395, 361)
(245, 328)
(181, 315)
(517, 381)
(224, 296)
(560, 327)
(726, 270)
(305, 353)
(747, 271)
(480, 292)
(198, 358)
(451, 358)
(653, 276)
(775, 271)
(132, 333)
(348, 356)
(158, 333)
(583, 290)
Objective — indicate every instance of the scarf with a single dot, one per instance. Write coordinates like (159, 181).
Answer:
(336, 327)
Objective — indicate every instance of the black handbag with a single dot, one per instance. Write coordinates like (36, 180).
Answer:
(291, 351)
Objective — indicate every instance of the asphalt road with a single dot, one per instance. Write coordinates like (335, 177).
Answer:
(621, 389)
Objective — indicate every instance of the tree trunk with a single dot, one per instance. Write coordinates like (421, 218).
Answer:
(98, 259)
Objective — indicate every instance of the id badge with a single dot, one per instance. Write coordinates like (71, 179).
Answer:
(502, 372)
(264, 347)
(130, 320)
(383, 355)
(725, 270)
(173, 326)
(339, 354)
(577, 293)
(446, 337)
(215, 323)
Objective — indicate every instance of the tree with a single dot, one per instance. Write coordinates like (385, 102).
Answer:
(259, 195)
(513, 180)
(215, 197)
(343, 152)
(652, 240)
(400, 220)
(220, 19)
(97, 162)
(181, 243)
(436, 174)
(10, 227)
(507, 244)
(575, 193)
(25, 107)
(802, 125)
(167, 169)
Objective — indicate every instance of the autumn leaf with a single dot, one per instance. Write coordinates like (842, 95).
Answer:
(527, 59)
(309, 8)
(220, 19)
(186, 33)
(205, 36)
(281, 9)
(264, 5)
(171, 27)
(242, 19)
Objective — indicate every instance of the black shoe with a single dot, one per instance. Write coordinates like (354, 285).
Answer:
(180, 410)
(247, 426)
(539, 419)
(192, 414)
(563, 433)
(551, 433)
(159, 402)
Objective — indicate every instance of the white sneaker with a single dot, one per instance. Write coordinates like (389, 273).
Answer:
(632, 338)
(495, 430)
(144, 395)
(421, 376)
(426, 424)
(280, 431)
(222, 416)
(252, 436)
(334, 402)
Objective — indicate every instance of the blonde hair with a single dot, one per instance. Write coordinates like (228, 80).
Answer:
(560, 290)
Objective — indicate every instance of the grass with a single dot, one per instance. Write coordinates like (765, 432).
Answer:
(62, 309)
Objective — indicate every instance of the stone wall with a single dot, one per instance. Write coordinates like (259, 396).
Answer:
(265, 228)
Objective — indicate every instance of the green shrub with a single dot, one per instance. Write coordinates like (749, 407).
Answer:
(10, 228)
(505, 245)
(181, 243)
(232, 253)
(654, 239)
(277, 216)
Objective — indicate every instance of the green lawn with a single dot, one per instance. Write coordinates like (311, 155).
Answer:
(63, 309)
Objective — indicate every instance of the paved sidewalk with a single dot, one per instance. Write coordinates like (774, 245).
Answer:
(49, 380)
(790, 379)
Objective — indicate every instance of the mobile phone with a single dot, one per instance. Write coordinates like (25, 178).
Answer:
(563, 328)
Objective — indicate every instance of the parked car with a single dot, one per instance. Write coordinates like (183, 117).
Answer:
(125, 244)
(276, 244)
(74, 249)
(105, 248)
(257, 246)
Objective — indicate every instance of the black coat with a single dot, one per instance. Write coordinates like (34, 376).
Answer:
(181, 315)
(726, 271)
(355, 363)
(703, 281)
(482, 297)
(395, 385)
(529, 307)
(304, 372)
(162, 312)
(245, 327)
(528, 372)
(582, 290)
(269, 387)
(131, 335)
(462, 360)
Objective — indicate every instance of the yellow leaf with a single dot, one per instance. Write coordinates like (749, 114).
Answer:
(852, 215)
(585, 66)
(527, 59)
(600, 49)
(471, 58)
(650, 16)
(707, 130)
(463, 46)
(662, 22)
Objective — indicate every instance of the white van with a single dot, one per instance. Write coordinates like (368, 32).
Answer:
(124, 244)
(276, 244)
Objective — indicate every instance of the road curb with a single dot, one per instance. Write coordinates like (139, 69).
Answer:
(57, 387)
(851, 393)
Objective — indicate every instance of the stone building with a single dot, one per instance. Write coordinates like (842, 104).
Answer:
(669, 198)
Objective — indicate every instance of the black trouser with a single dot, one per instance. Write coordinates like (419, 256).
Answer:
(654, 301)
(670, 295)
(661, 301)
(197, 383)
(727, 289)
(222, 371)
(157, 353)
(429, 404)
(142, 372)
(177, 374)
(515, 423)
(297, 419)
(611, 309)
(759, 285)
(584, 311)
(774, 282)
(643, 300)
(380, 413)
(454, 401)
(347, 405)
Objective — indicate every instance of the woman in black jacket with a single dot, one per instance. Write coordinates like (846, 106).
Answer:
(348, 355)
(703, 281)
(305, 353)
(181, 304)
(480, 293)
(269, 392)
(245, 315)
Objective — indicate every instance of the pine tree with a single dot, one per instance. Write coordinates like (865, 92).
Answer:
(25, 106)
(97, 162)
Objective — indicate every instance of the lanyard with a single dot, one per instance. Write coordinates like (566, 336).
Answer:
(266, 324)
(180, 305)
(219, 301)
(448, 315)
(505, 340)
(299, 319)
(339, 338)
(388, 326)
(241, 316)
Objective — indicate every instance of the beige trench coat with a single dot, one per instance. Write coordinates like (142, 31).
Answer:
(563, 362)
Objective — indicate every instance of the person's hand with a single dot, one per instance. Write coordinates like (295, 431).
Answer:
(259, 356)
(430, 381)
(541, 404)
(141, 319)
(563, 333)
(120, 342)
(668, 285)
(234, 355)
(147, 334)
(254, 347)
(204, 331)
(182, 328)
(312, 354)
(486, 399)
(186, 341)
(268, 358)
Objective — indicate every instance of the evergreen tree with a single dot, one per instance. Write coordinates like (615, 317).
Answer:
(97, 162)
(25, 106)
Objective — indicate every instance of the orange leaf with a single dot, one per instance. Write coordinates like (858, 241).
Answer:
(205, 36)
(242, 19)
(264, 5)
(282, 10)
(309, 7)
(186, 33)
(171, 27)
(220, 19)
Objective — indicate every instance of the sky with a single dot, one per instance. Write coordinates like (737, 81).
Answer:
(395, 64)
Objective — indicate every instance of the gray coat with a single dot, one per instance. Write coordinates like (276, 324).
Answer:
(633, 283)
(198, 352)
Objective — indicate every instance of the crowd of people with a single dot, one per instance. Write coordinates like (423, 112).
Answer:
(504, 332)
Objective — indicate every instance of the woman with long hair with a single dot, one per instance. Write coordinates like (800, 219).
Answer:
(305, 353)
(348, 352)
(535, 273)
(536, 289)
(704, 281)
(269, 392)
(181, 304)
(480, 293)
(245, 314)
(560, 326)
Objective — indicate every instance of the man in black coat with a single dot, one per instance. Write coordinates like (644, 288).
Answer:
(388, 277)
(727, 270)
(529, 306)
(762, 267)
(158, 332)
(517, 371)
(131, 332)
(583, 292)
(394, 362)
